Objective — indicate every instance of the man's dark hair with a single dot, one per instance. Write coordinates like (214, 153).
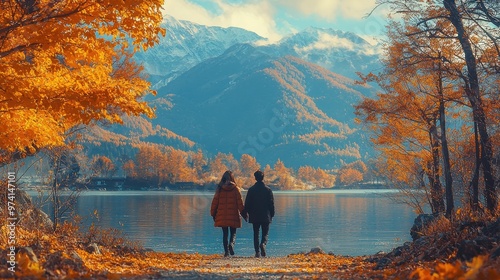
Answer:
(259, 175)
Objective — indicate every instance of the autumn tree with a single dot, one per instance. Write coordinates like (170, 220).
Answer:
(178, 168)
(159, 165)
(198, 163)
(349, 176)
(150, 164)
(306, 174)
(269, 173)
(62, 177)
(68, 63)
(129, 168)
(217, 167)
(351, 173)
(404, 120)
(222, 162)
(248, 165)
(424, 44)
(283, 175)
(316, 177)
(103, 166)
(474, 27)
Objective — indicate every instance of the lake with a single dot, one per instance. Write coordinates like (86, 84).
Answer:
(345, 222)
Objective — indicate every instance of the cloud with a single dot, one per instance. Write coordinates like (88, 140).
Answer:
(256, 16)
(183, 9)
(328, 41)
(271, 18)
(329, 9)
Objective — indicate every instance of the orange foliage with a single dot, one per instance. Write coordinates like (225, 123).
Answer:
(103, 166)
(286, 72)
(316, 177)
(471, 270)
(64, 64)
(248, 165)
(129, 168)
(349, 176)
(119, 259)
(220, 164)
(198, 162)
(160, 164)
(351, 173)
(283, 175)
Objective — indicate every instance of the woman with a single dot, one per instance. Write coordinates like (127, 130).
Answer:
(227, 205)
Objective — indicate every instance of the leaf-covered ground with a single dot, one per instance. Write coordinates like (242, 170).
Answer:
(472, 253)
(154, 265)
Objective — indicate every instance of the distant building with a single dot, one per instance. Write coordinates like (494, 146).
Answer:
(189, 186)
(107, 183)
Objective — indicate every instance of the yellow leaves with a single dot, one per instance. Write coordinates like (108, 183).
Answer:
(59, 65)
(141, 264)
(474, 267)
(316, 177)
(473, 270)
(451, 271)
(27, 267)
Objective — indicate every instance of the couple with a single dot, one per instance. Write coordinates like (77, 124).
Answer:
(227, 209)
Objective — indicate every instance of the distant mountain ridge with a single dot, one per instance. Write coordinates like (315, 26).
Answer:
(342, 52)
(246, 101)
(221, 91)
(187, 44)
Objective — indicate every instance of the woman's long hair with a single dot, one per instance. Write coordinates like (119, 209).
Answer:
(228, 177)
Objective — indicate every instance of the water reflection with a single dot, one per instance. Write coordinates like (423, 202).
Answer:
(344, 222)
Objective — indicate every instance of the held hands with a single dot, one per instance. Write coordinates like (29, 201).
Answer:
(244, 214)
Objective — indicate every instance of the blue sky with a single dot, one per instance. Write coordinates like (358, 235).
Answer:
(274, 19)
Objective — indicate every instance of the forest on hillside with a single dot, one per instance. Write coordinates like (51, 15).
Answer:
(155, 167)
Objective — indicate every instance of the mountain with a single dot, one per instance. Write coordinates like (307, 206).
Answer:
(221, 90)
(187, 44)
(248, 101)
(344, 53)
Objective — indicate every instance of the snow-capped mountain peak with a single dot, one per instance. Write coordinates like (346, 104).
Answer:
(187, 44)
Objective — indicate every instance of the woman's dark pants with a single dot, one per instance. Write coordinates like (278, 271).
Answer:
(228, 245)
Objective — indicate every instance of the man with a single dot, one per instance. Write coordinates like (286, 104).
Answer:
(259, 204)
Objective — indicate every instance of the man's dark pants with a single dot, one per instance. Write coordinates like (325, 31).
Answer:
(265, 233)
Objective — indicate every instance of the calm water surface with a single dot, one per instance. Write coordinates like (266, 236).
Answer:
(345, 222)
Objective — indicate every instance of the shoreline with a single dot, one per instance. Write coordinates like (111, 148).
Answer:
(35, 191)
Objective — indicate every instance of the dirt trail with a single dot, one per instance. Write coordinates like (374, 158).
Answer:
(249, 268)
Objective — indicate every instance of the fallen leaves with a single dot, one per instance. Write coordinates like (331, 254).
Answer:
(65, 255)
(474, 269)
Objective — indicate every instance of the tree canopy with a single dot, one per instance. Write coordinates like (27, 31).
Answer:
(68, 63)
(441, 61)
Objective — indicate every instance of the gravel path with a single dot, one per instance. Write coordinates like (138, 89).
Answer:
(247, 268)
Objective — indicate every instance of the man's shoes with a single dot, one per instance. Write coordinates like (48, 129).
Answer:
(231, 249)
(263, 250)
(226, 254)
(257, 255)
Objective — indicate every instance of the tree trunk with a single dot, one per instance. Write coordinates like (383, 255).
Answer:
(474, 97)
(435, 182)
(446, 161)
(55, 195)
(444, 148)
(474, 184)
